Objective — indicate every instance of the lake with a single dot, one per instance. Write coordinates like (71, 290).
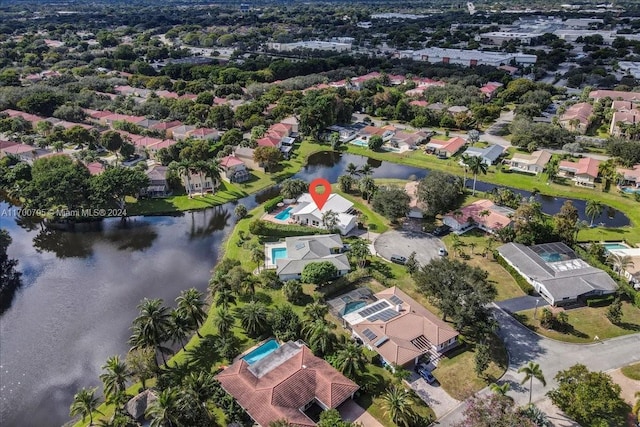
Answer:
(80, 289)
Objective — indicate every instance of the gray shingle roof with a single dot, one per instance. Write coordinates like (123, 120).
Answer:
(303, 250)
(563, 276)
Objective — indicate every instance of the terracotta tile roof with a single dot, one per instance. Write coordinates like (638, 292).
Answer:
(95, 168)
(498, 216)
(230, 161)
(615, 94)
(451, 146)
(162, 144)
(584, 166)
(414, 322)
(268, 141)
(166, 125)
(18, 149)
(419, 103)
(627, 117)
(5, 144)
(282, 391)
(581, 111)
(623, 105)
(282, 129)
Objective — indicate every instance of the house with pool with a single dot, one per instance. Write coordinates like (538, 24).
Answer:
(557, 273)
(285, 382)
(291, 256)
(306, 212)
(395, 326)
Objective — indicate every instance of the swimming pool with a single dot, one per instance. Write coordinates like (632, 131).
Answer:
(278, 253)
(261, 352)
(352, 306)
(285, 214)
(360, 143)
(630, 190)
(551, 257)
(611, 246)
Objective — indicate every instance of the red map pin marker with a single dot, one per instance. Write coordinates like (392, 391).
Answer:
(320, 198)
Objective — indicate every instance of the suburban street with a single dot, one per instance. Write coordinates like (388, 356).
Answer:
(524, 345)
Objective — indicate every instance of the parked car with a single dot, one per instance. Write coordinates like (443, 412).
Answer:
(442, 252)
(441, 230)
(398, 259)
(426, 375)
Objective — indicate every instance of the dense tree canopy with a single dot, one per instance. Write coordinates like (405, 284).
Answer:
(391, 202)
(441, 192)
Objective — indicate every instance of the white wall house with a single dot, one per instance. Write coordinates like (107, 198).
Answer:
(306, 212)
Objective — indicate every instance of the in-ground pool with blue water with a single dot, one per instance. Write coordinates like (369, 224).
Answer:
(551, 257)
(285, 214)
(261, 352)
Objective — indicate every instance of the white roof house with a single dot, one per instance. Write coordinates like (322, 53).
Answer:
(306, 212)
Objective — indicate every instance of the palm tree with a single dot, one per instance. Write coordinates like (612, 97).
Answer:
(320, 336)
(594, 209)
(367, 186)
(502, 390)
(85, 403)
(225, 298)
(476, 166)
(532, 370)
(464, 159)
(213, 171)
(115, 378)
(218, 283)
(397, 404)
(350, 360)
(200, 387)
(329, 219)
(191, 306)
(184, 169)
(179, 328)
(163, 411)
(253, 318)
(151, 325)
(360, 252)
(224, 321)
(352, 170)
(620, 262)
(316, 311)
(366, 170)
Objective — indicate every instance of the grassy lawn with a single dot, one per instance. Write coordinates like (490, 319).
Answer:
(456, 373)
(586, 323)
(379, 223)
(624, 203)
(475, 243)
(632, 371)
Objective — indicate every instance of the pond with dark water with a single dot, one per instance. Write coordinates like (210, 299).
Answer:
(80, 289)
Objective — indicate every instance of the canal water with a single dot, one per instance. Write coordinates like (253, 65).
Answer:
(80, 290)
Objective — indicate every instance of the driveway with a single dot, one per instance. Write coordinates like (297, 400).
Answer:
(351, 411)
(523, 346)
(526, 302)
(403, 242)
(433, 395)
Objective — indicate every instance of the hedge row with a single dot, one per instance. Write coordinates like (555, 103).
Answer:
(270, 205)
(521, 281)
(600, 301)
(266, 228)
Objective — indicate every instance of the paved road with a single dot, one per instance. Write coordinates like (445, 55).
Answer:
(403, 242)
(521, 303)
(524, 345)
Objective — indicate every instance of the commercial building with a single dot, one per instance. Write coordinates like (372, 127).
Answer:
(466, 57)
(310, 45)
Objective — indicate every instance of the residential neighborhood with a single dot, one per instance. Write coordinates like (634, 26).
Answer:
(320, 214)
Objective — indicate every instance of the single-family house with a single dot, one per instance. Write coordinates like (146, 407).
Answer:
(23, 152)
(158, 185)
(166, 127)
(490, 89)
(181, 132)
(458, 109)
(291, 256)
(530, 163)
(630, 176)
(234, 169)
(615, 95)
(165, 143)
(437, 106)
(408, 140)
(489, 154)
(577, 117)
(95, 168)
(418, 103)
(584, 172)
(205, 133)
(358, 82)
(482, 214)
(269, 140)
(416, 208)
(447, 148)
(289, 383)
(147, 123)
(400, 330)
(556, 272)
(630, 271)
(246, 155)
(620, 119)
(198, 183)
(306, 212)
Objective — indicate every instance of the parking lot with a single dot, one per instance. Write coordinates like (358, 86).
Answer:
(403, 242)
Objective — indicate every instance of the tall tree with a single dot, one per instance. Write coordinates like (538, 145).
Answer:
(317, 310)
(163, 411)
(10, 278)
(85, 403)
(115, 378)
(191, 305)
(590, 398)
(565, 222)
(594, 209)
(320, 336)
(367, 187)
(620, 262)
(329, 219)
(112, 141)
(115, 184)
(352, 170)
(532, 370)
(293, 188)
(398, 406)
(141, 364)
(360, 252)
(224, 321)
(476, 165)
(350, 360)
(180, 327)
(493, 410)
(151, 325)
(254, 318)
(441, 192)
(267, 157)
